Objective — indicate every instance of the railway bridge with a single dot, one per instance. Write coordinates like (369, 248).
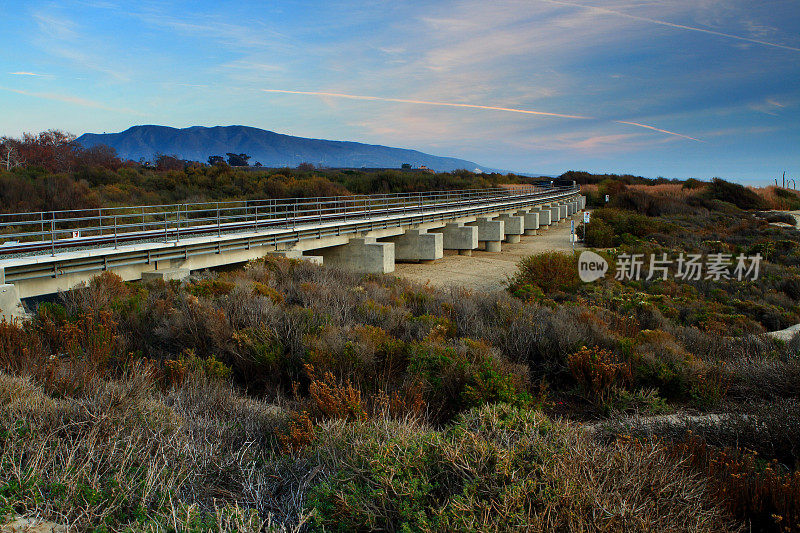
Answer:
(42, 253)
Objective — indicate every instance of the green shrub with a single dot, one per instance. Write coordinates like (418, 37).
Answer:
(736, 194)
(498, 469)
(599, 234)
(552, 272)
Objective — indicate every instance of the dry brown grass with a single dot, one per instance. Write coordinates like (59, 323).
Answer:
(777, 198)
(125, 455)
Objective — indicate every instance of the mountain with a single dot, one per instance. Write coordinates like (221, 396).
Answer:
(267, 147)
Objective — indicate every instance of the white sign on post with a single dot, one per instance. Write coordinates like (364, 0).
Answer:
(587, 216)
(607, 198)
(76, 234)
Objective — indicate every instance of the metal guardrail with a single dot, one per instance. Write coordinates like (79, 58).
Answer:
(52, 231)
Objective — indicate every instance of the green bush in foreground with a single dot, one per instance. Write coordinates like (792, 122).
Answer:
(498, 468)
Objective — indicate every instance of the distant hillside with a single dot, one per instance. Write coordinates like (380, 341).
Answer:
(269, 148)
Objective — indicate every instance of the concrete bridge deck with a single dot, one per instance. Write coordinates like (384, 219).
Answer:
(369, 238)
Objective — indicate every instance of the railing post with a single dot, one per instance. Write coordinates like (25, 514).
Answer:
(53, 234)
(219, 227)
(166, 222)
(100, 216)
(143, 226)
(255, 212)
(178, 226)
(294, 218)
(42, 216)
(115, 232)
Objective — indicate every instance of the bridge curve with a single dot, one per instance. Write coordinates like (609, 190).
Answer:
(45, 252)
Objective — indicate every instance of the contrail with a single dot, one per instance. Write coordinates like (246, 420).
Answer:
(471, 106)
(657, 129)
(673, 25)
(423, 102)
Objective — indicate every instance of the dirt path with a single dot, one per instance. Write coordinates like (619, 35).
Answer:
(484, 270)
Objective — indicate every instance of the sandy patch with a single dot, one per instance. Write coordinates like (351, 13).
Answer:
(485, 270)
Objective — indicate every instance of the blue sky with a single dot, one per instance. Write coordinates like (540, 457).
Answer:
(719, 80)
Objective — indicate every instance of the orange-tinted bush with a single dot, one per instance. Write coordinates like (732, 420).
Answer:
(597, 372)
(332, 399)
(762, 493)
(298, 434)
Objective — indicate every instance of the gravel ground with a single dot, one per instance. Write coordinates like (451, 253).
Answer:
(484, 270)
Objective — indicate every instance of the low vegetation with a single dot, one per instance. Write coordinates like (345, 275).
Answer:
(287, 396)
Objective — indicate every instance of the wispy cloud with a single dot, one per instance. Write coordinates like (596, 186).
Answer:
(35, 74)
(74, 100)
(470, 106)
(640, 125)
(423, 102)
(59, 37)
(673, 25)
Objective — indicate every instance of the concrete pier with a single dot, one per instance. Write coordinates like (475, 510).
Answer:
(166, 274)
(418, 245)
(10, 304)
(544, 217)
(363, 255)
(564, 212)
(555, 214)
(456, 236)
(531, 218)
(513, 227)
(490, 232)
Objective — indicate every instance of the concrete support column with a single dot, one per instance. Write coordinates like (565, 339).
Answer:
(456, 236)
(555, 214)
(490, 232)
(362, 255)
(582, 202)
(166, 274)
(10, 304)
(544, 217)
(570, 208)
(564, 211)
(418, 245)
(513, 227)
(531, 219)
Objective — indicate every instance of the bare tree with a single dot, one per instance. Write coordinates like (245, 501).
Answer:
(9, 153)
